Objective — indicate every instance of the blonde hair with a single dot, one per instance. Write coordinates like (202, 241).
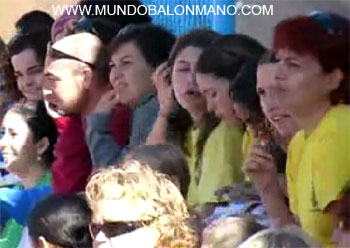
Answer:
(229, 232)
(141, 186)
(287, 237)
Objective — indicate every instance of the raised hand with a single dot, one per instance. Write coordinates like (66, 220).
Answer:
(107, 102)
(164, 89)
(260, 167)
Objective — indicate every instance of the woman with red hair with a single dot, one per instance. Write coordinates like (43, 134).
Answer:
(312, 74)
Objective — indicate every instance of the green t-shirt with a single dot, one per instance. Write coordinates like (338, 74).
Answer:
(220, 164)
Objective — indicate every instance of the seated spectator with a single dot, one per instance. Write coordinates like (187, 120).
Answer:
(283, 127)
(134, 206)
(212, 156)
(7, 97)
(27, 142)
(27, 54)
(232, 74)
(313, 75)
(76, 163)
(75, 72)
(279, 119)
(135, 53)
(229, 232)
(60, 221)
(288, 237)
(166, 159)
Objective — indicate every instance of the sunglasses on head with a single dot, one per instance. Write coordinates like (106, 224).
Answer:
(52, 52)
(327, 21)
(113, 229)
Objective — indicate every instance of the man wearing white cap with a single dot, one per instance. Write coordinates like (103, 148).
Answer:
(76, 76)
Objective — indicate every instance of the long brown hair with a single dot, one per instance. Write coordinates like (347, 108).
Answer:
(181, 120)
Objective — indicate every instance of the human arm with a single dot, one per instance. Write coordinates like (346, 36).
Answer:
(261, 169)
(158, 135)
(103, 148)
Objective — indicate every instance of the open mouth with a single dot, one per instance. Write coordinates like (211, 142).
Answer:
(193, 93)
(278, 118)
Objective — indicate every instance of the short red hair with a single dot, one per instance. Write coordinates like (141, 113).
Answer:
(323, 35)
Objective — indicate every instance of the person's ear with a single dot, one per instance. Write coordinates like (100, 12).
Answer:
(87, 77)
(334, 80)
(42, 243)
(42, 145)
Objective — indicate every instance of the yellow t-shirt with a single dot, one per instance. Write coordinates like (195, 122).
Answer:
(221, 163)
(318, 167)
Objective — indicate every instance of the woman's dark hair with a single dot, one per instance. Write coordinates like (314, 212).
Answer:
(63, 220)
(107, 26)
(37, 41)
(8, 75)
(199, 38)
(153, 41)
(34, 21)
(235, 58)
(323, 35)
(180, 119)
(40, 124)
(167, 159)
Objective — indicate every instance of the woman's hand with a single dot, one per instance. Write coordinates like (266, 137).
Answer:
(261, 168)
(165, 94)
(107, 102)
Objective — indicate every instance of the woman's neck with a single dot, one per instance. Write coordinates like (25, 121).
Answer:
(234, 123)
(308, 122)
(197, 117)
(32, 175)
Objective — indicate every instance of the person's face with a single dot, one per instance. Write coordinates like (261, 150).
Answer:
(271, 96)
(216, 92)
(113, 216)
(16, 143)
(29, 74)
(183, 79)
(65, 89)
(303, 84)
(130, 74)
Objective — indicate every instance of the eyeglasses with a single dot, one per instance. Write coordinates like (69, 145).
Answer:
(113, 229)
(328, 22)
(52, 52)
